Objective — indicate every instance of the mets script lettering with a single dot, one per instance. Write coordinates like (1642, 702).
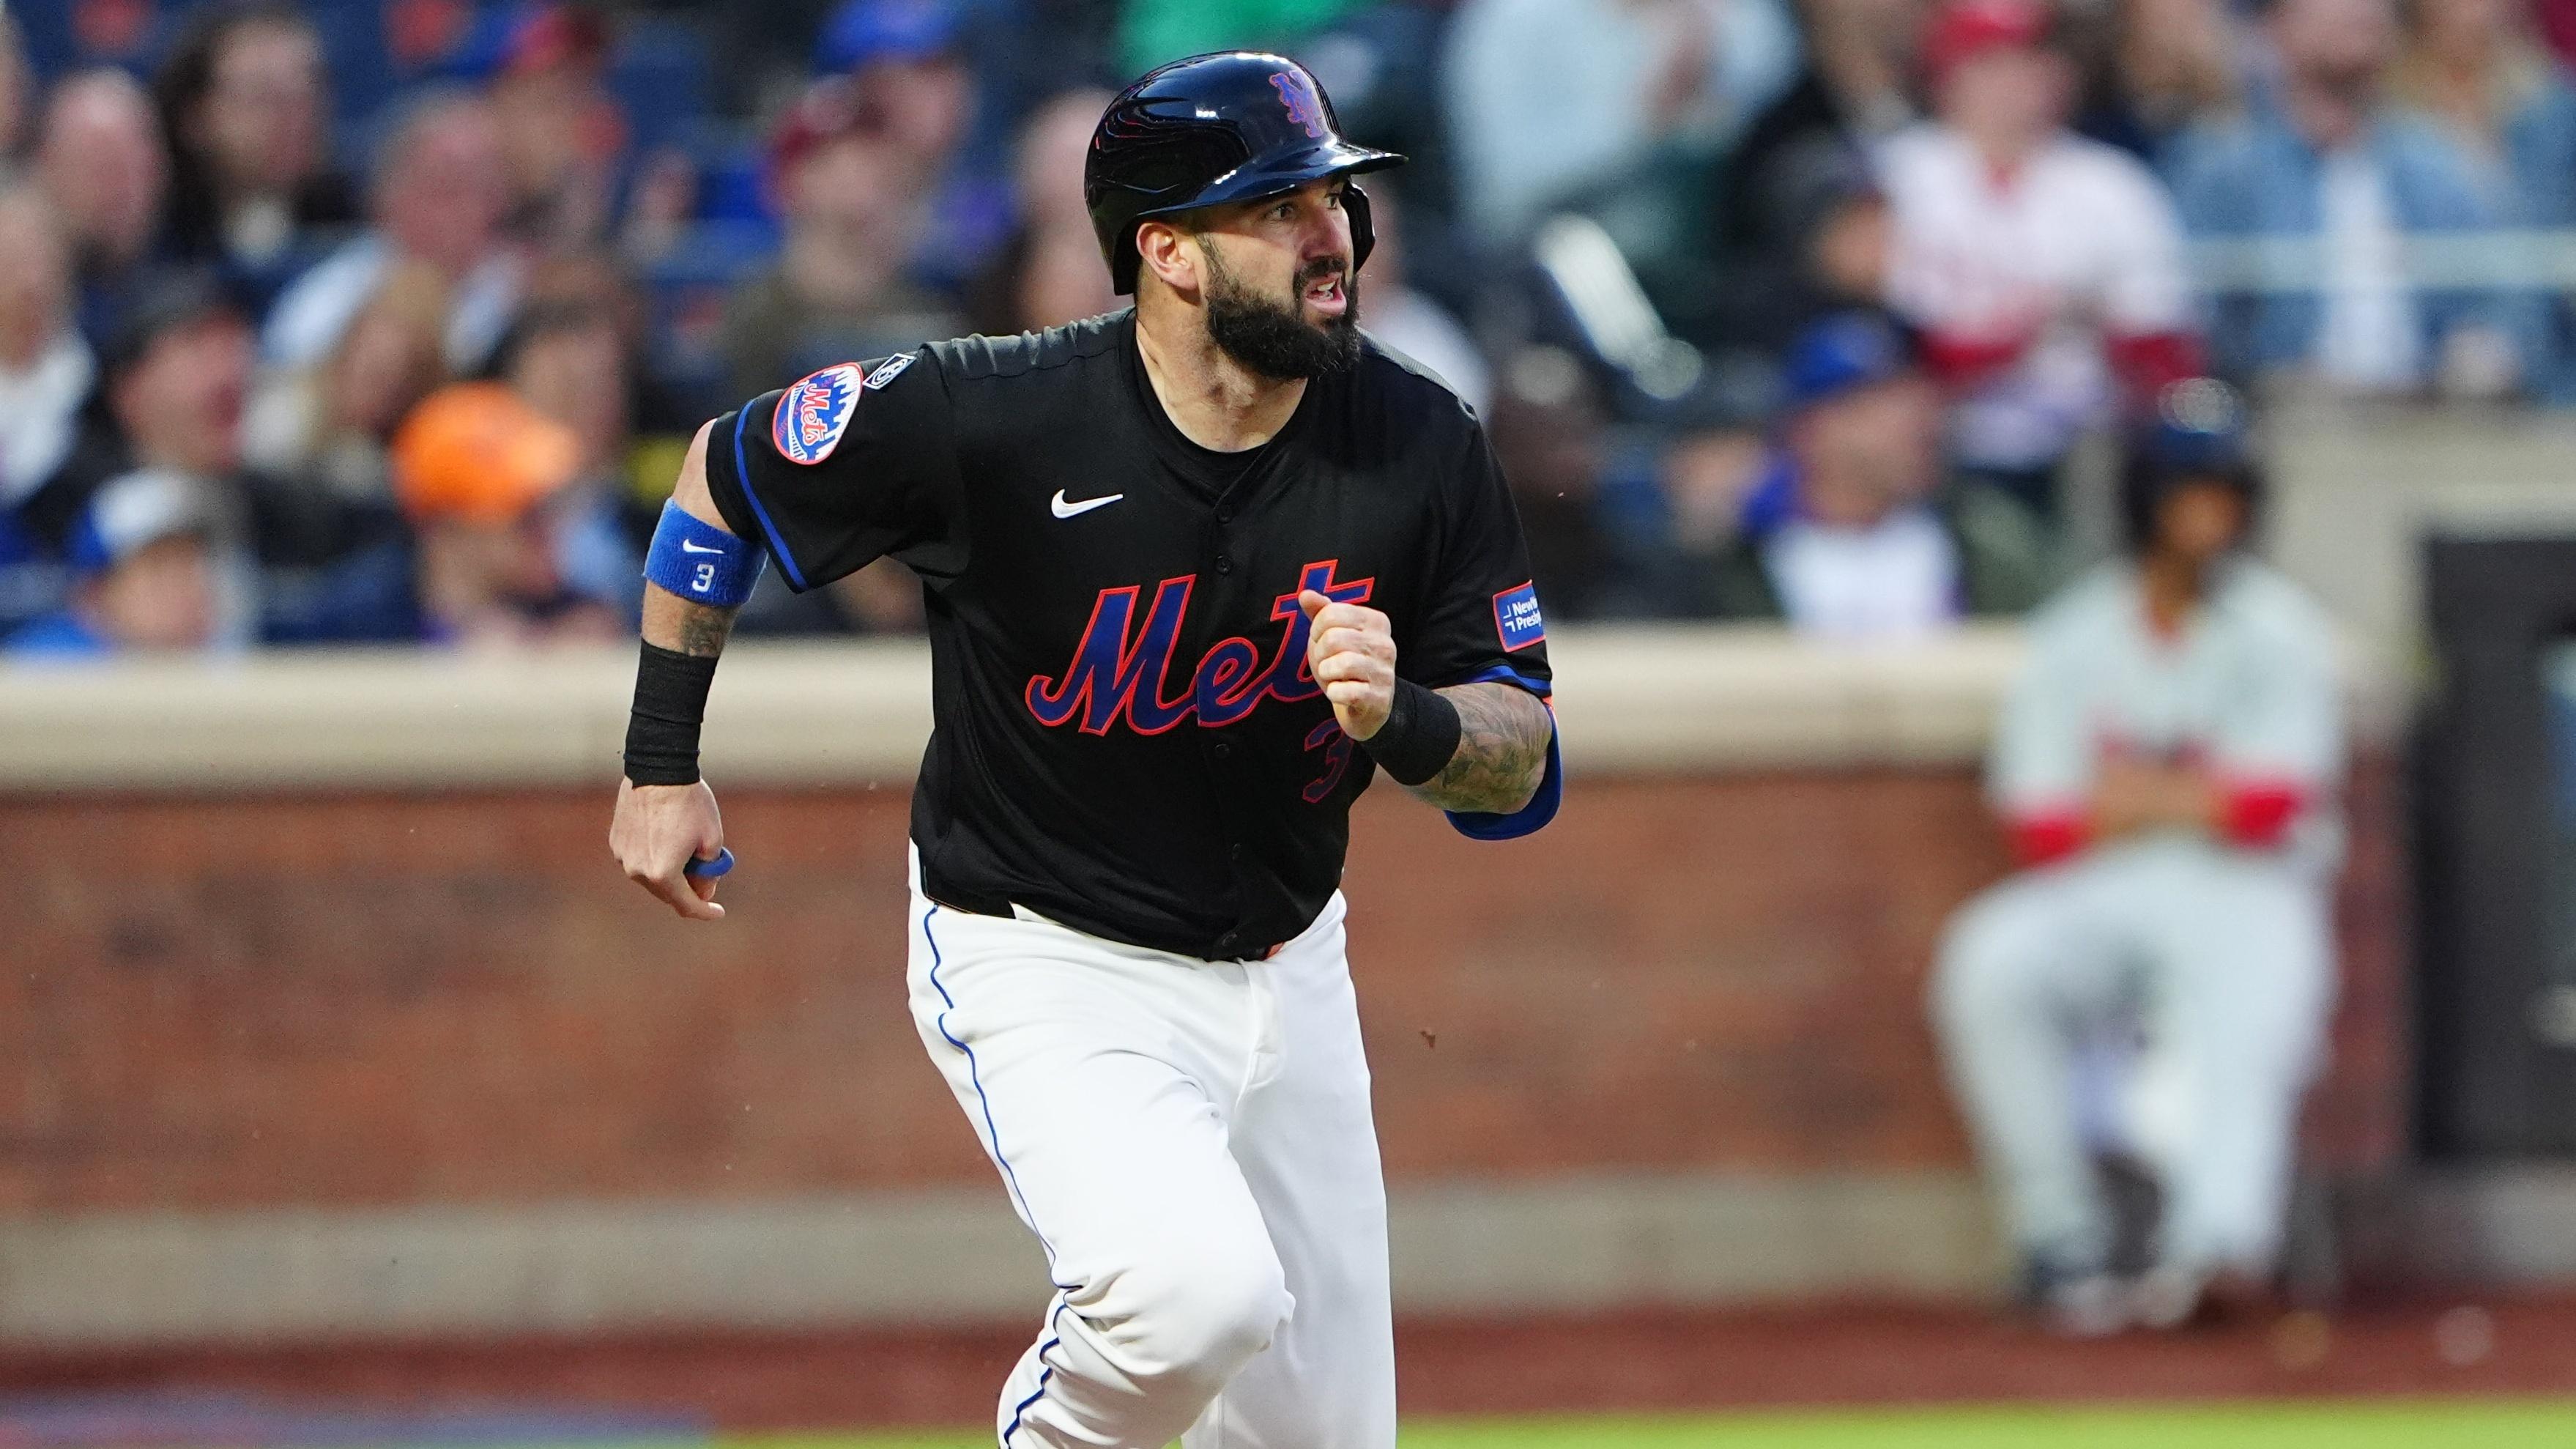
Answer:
(1120, 667)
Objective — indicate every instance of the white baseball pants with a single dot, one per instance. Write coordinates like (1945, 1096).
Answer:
(1191, 1141)
(2227, 955)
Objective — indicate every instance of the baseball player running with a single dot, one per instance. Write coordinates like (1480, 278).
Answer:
(2167, 762)
(1195, 571)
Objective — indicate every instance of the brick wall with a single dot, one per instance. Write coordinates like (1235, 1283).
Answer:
(361, 1000)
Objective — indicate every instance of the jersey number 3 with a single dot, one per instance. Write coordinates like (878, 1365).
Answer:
(1336, 746)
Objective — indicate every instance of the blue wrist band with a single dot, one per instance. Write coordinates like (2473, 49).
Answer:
(701, 562)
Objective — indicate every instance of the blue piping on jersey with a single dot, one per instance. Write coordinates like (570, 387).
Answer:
(1530, 818)
(1505, 674)
(778, 546)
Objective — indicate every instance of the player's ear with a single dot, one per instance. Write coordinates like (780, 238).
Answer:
(1170, 254)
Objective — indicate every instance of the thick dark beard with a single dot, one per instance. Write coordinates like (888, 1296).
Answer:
(1276, 341)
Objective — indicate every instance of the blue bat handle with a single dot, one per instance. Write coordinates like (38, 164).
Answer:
(696, 869)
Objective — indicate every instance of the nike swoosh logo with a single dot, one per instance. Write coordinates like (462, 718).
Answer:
(688, 547)
(1067, 510)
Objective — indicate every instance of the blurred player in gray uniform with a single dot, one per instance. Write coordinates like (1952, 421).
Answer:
(2167, 763)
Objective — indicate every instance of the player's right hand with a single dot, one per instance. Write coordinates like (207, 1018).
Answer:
(658, 830)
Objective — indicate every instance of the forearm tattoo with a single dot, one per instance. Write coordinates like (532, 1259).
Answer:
(1502, 750)
(697, 630)
(703, 630)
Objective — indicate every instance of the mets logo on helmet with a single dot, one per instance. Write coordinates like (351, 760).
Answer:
(1297, 93)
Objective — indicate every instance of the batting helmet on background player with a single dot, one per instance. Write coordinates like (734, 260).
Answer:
(2199, 434)
(1237, 125)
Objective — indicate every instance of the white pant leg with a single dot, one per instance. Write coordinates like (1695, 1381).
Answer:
(1307, 1143)
(2242, 964)
(2024, 969)
(1100, 1079)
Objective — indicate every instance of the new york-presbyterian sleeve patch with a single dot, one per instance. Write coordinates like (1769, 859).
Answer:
(814, 414)
(1517, 619)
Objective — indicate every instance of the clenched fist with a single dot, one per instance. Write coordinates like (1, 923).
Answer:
(657, 831)
(1350, 649)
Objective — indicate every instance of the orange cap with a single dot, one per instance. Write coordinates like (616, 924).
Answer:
(475, 451)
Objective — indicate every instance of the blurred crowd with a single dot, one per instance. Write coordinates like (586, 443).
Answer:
(389, 320)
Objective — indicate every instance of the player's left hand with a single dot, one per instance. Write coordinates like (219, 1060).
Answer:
(1350, 649)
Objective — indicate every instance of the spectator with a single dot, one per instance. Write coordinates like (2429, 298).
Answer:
(2039, 266)
(143, 576)
(1050, 271)
(2474, 68)
(569, 361)
(329, 423)
(482, 475)
(290, 564)
(101, 162)
(440, 192)
(904, 58)
(1851, 534)
(1825, 248)
(2166, 762)
(2325, 159)
(1411, 323)
(46, 371)
(837, 290)
(563, 135)
(246, 117)
(1548, 98)
(2163, 65)
(1855, 86)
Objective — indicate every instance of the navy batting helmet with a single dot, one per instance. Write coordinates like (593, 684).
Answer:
(2199, 434)
(1237, 125)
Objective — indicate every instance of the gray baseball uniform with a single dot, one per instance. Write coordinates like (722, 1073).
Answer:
(2219, 942)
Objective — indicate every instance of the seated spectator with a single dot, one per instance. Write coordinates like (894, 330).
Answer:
(1852, 535)
(569, 361)
(328, 424)
(143, 577)
(563, 135)
(1825, 249)
(837, 290)
(46, 373)
(439, 196)
(1050, 271)
(100, 160)
(2474, 68)
(2324, 158)
(1856, 85)
(2166, 762)
(246, 115)
(1549, 98)
(906, 58)
(483, 477)
(2044, 270)
(291, 564)
(2164, 65)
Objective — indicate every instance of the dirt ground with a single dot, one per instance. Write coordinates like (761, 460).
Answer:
(1828, 1355)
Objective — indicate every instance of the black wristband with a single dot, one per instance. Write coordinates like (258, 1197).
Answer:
(1420, 735)
(670, 704)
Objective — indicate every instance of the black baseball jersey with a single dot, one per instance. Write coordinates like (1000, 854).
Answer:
(1127, 737)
